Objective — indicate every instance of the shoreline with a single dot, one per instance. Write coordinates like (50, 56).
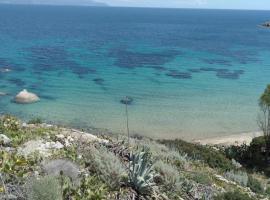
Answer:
(234, 139)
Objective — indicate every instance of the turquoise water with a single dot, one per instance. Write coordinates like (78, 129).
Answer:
(191, 73)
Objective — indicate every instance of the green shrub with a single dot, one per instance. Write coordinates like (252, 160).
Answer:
(255, 151)
(171, 179)
(254, 185)
(236, 195)
(267, 191)
(45, 188)
(23, 135)
(161, 152)
(212, 157)
(239, 177)
(10, 123)
(11, 164)
(107, 165)
(35, 121)
(251, 156)
(202, 178)
(91, 188)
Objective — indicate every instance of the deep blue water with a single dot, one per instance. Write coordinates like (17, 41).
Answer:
(191, 73)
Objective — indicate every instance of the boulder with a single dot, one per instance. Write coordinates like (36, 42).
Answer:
(42, 147)
(25, 97)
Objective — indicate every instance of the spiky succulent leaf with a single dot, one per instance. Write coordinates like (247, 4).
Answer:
(141, 173)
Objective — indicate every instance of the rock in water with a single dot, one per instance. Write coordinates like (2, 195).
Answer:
(25, 97)
(266, 24)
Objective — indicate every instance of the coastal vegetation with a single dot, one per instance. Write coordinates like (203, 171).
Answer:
(41, 161)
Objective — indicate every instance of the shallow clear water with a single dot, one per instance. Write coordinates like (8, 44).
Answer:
(191, 73)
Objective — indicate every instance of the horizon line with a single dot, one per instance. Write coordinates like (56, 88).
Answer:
(143, 7)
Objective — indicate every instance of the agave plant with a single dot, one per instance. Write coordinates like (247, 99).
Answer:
(141, 173)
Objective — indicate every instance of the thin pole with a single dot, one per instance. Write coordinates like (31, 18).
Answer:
(127, 119)
(128, 135)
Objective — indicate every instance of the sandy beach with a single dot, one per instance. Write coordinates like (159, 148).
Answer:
(235, 139)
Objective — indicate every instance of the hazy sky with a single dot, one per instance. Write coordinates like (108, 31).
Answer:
(225, 4)
(235, 4)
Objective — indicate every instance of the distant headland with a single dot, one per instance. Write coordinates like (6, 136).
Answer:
(56, 3)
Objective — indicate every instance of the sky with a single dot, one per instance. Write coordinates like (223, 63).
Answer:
(220, 4)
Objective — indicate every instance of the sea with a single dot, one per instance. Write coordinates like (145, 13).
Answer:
(188, 73)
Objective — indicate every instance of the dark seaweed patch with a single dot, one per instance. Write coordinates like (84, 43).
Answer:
(226, 74)
(99, 81)
(194, 70)
(221, 73)
(217, 61)
(81, 71)
(130, 60)
(209, 69)
(7, 65)
(159, 68)
(18, 82)
(50, 58)
(179, 75)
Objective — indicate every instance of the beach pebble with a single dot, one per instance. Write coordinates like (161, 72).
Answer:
(25, 97)
(4, 139)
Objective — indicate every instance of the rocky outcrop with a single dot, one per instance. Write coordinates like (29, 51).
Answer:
(25, 97)
(44, 148)
(266, 24)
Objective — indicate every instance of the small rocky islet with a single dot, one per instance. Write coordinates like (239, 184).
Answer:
(266, 24)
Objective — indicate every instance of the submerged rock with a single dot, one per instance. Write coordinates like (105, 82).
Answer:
(3, 94)
(127, 100)
(5, 70)
(25, 97)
